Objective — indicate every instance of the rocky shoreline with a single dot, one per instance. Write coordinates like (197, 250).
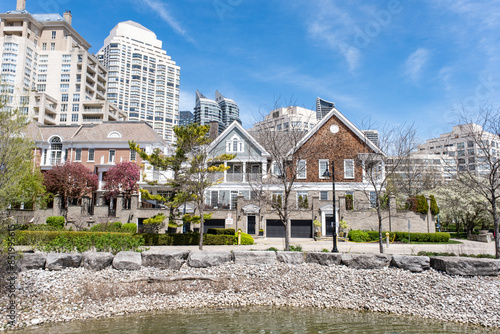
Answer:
(76, 293)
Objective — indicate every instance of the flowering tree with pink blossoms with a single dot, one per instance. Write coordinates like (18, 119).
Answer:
(122, 178)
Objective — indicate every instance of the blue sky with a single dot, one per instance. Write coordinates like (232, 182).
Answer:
(383, 61)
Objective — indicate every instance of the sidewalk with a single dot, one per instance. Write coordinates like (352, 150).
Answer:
(309, 245)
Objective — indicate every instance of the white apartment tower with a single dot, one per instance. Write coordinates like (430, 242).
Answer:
(142, 80)
(47, 71)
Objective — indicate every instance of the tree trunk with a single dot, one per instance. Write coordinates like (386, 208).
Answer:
(496, 229)
(287, 239)
(200, 244)
(379, 215)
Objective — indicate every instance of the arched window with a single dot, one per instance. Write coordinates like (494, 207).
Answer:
(55, 151)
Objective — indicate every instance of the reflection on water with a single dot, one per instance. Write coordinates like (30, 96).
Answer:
(257, 320)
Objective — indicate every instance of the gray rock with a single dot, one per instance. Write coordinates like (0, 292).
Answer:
(97, 260)
(366, 261)
(466, 266)
(31, 261)
(414, 264)
(60, 261)
(205, 259)
(323, 258)
(127, 260)
(255, 257)
(290, 257)
(164, 259)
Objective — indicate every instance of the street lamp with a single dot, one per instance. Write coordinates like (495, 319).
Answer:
(327, 174)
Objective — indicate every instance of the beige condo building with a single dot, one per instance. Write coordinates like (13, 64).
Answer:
(48, 72)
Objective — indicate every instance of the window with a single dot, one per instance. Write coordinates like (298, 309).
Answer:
(64, 97)
(276, 169)
(42, 78)
(52, 46)
(323, 166)
(91, 154)
(40, 87)
(64, 87)
(234, 199)
(55, 151)
(301, 169)
(76, 97)
(235, 144)
(64, 77)
(64, 107)
(78, 154)
(44, 46)
(323, 195)
(373, 199)
(76, 107)
(277, 198)
(53, 35)
(66, 68)
(470, 144)
(349, 169)
(132, 155)
(63, 117)
(460, 145)
(74, 118)
(349, 200)
(66, 58)
(111, 158)
(302, 201)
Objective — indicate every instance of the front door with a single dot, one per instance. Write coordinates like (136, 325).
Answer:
(329, 224)
(251, 225)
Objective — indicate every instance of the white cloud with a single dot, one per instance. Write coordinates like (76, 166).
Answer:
(161, 10)
(415, 63)
(186, 100)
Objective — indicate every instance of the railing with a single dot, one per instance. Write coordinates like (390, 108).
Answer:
(92, 109)
(254, 177)
(234, 177)
(215, 176)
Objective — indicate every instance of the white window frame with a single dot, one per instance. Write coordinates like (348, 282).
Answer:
(304, 195)
(302, 171)
(133, 155)
(276, 169)
(235, 141)
(349, 166)
(93, 154)
(78, 154)
(320, 171)
(323, 192)
(112, 156)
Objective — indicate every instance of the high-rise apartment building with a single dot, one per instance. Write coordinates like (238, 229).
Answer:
(48, 72)
(323, 107)
(143, 79)
(222, 110)
(286, 119)
(185, 117)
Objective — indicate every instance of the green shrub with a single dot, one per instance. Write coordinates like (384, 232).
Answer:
(422, 206)
(246, 239)
(56, 221)
(358, 236)
(129, 228)
(272, 249)
(423, 237)
(219, 239)
(224, 231)
(434, 206)
(41, 227)
(324, 250)
(295, 248)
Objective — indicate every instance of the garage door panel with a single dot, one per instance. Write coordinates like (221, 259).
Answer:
(301, 229)
(275, 228)
(213, 223)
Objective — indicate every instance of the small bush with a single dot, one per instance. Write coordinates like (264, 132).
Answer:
(41, 227)
(324, 250)
(246, 239)
(129, 227)
(219, 239)
(358, 236)
(295, 248)
(434, 206)
(272, 249)
(56, 221)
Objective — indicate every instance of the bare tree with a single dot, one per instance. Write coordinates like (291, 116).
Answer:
(395, 145)
(482, 174)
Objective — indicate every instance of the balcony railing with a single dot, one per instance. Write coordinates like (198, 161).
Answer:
(234, 177)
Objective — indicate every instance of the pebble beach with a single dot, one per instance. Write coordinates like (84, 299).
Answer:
(76, 293)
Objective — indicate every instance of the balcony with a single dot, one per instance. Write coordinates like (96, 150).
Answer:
(254, 177)
(236, 177)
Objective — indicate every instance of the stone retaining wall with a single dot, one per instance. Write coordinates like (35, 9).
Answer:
(176, 259)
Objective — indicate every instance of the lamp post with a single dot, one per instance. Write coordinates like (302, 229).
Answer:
(327, 174)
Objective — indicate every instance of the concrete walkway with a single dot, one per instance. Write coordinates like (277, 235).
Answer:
(309, 245)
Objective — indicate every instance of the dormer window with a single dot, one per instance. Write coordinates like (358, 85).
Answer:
(114, 134)
(235, 145)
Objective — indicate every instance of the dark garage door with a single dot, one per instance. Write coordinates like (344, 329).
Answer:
(274, 229)
(214, 223)
(301, 229)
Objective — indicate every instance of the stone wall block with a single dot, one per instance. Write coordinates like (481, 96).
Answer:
(206, 259)
(366, 261)
(127, 260)
(255, 257)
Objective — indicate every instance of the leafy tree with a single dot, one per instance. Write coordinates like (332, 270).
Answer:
(70, 181)
(483, 129)
(122, 178)
(191, 167)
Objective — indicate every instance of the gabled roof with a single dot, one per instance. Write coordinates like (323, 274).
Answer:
(346, 122)
(249, 137)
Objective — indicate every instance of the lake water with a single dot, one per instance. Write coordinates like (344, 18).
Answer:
(257, 320)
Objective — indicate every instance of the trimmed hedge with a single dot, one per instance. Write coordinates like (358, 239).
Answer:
(224, 231)
(114, 227)
(246, 239)
(55, 221)
(69, 241)
(366, 236)
(186, 239)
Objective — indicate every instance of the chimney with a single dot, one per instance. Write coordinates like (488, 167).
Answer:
(213, 133)
(67, 16)
(21, 5)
